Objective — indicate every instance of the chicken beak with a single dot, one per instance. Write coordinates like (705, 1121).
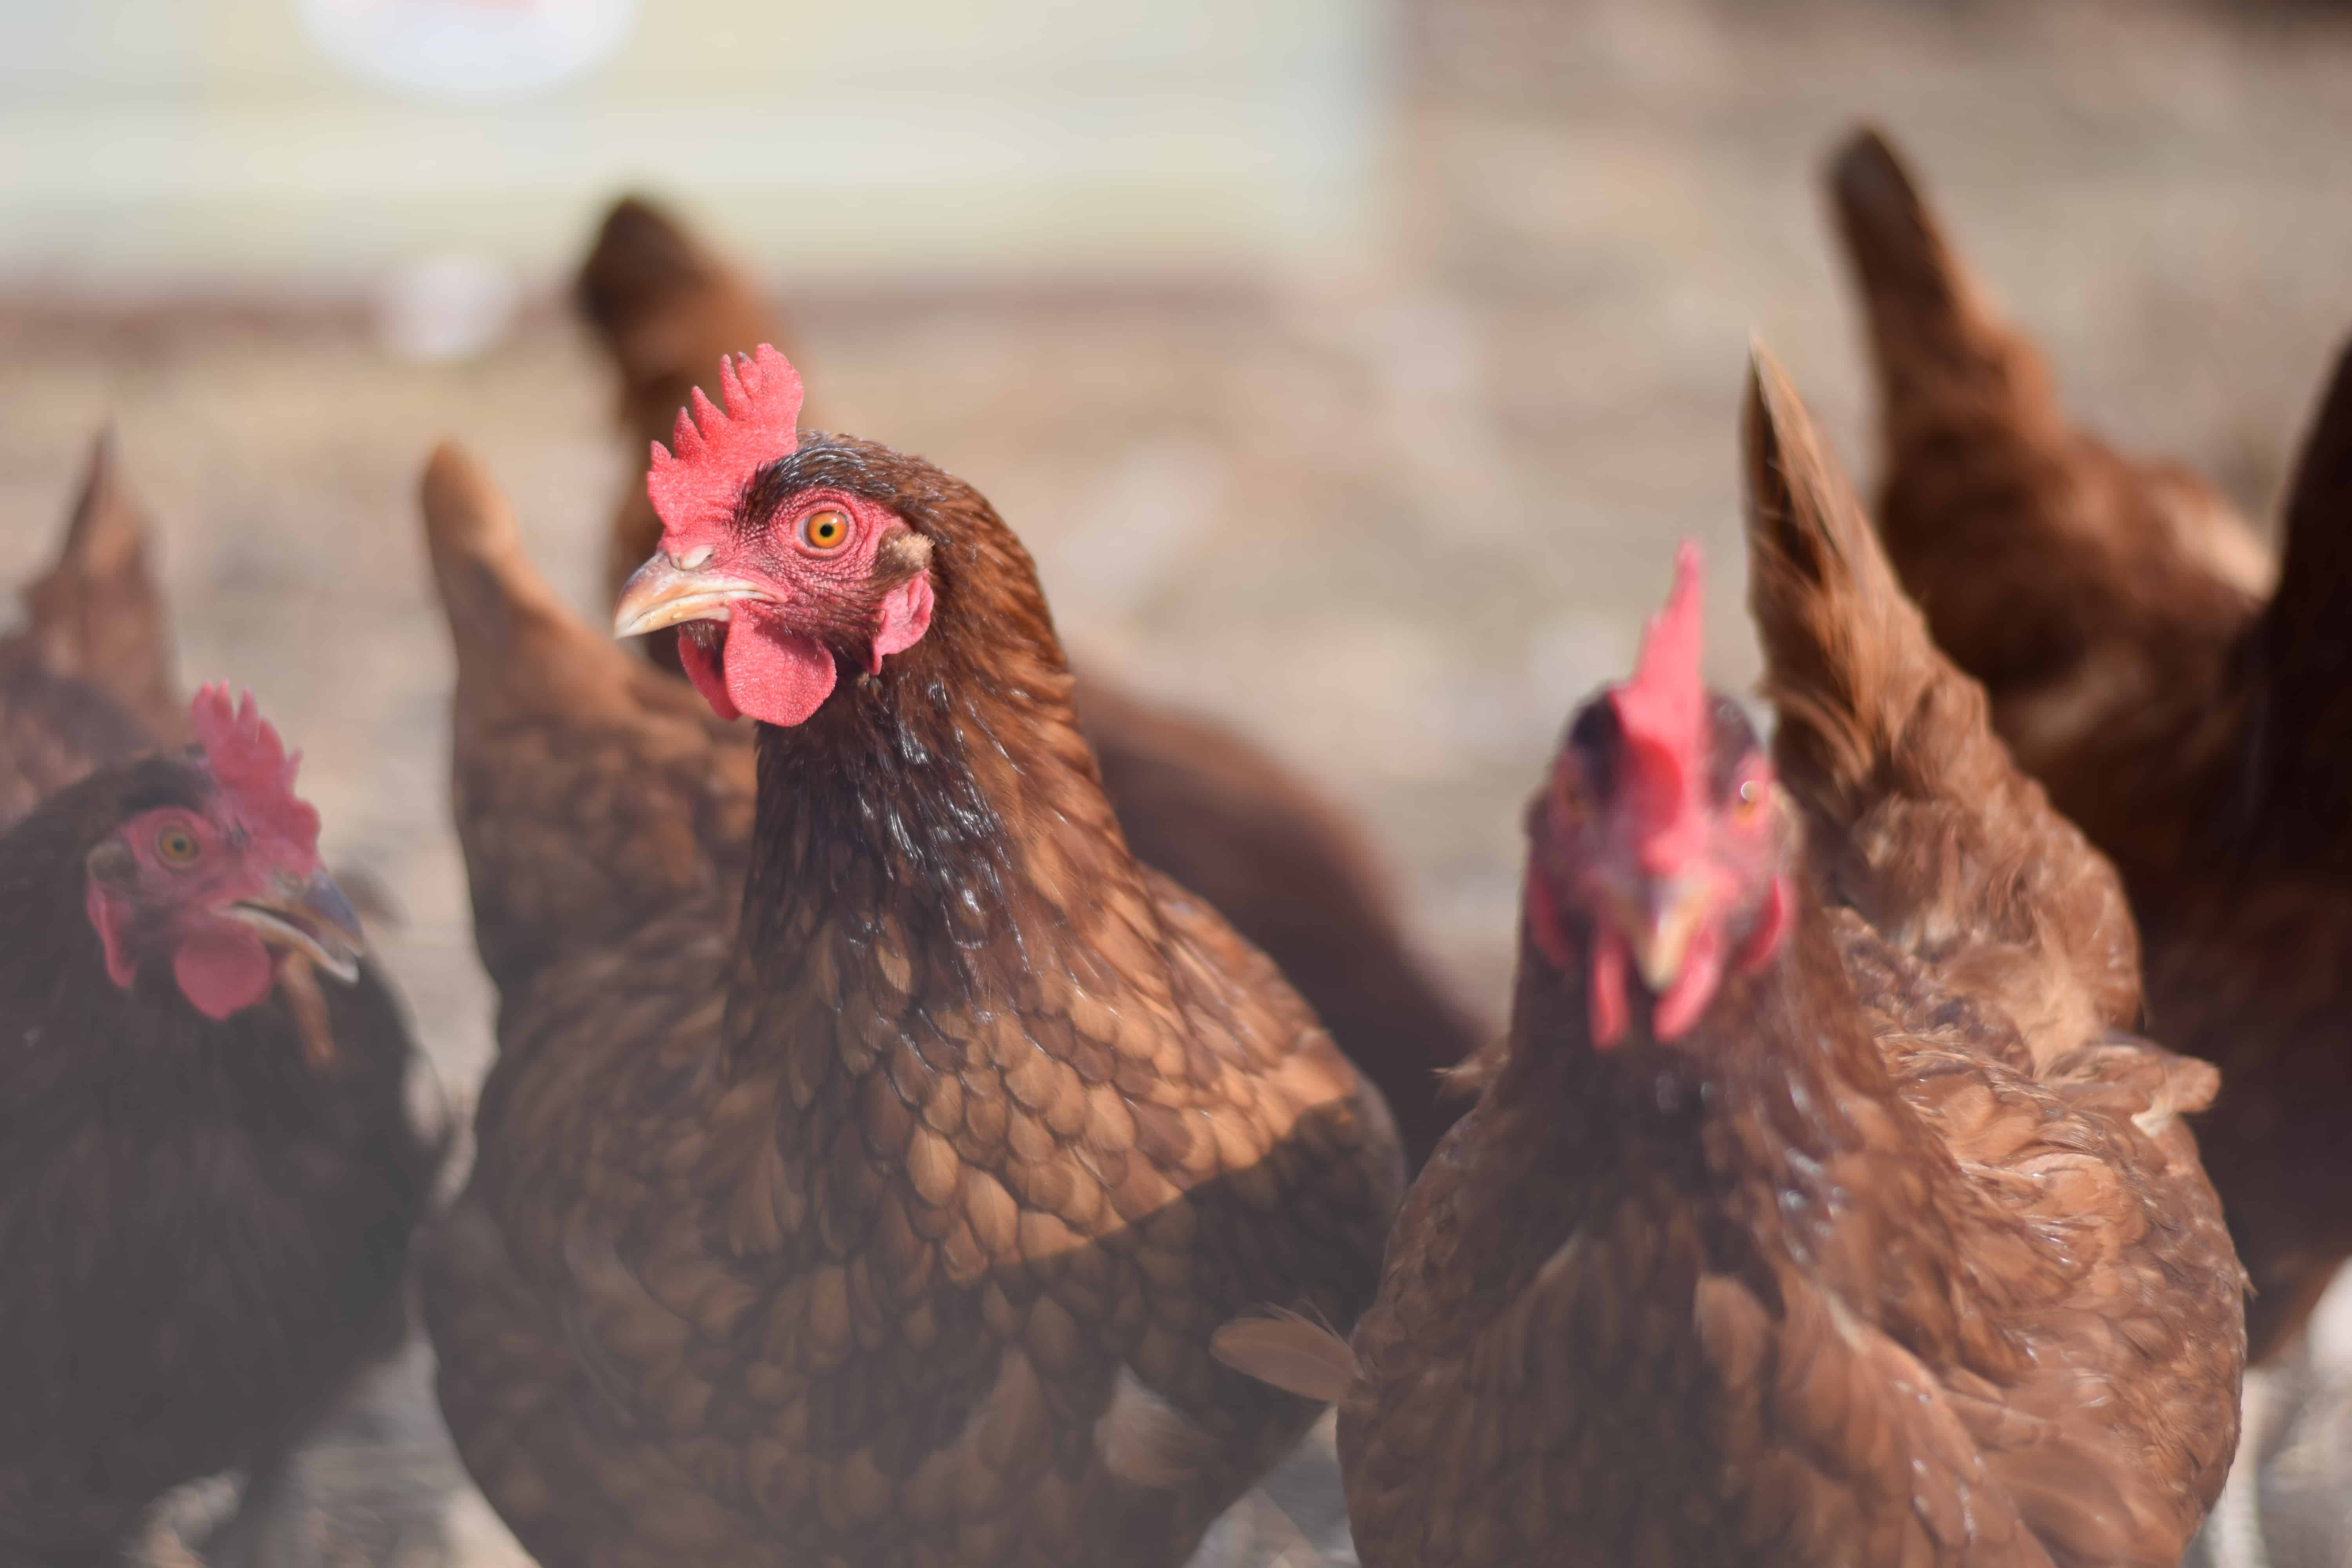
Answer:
(662, 593)
(312, 918)
(1659, 924)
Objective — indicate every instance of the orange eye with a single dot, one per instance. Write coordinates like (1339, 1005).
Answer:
(1752, 796)
(826, 530)
(176, 845)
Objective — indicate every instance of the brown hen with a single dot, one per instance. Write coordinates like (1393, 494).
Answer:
(1292, 871)
(2114, 613)
(887, 1220)
(1816, 1210)
(208, 1172)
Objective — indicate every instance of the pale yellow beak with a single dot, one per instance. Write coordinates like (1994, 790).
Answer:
(662, 594)
(1659, 924)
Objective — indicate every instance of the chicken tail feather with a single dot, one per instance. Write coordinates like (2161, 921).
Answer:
(1942, 355)
(97, 612)
(1890, 750)
(512, 633)
(2304, 662)
(1289, 1352)
(1847, 657)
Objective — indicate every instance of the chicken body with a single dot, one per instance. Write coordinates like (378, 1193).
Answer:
(1269, 851)
(1898, 1254)
(875, 1205)
(2186, 717)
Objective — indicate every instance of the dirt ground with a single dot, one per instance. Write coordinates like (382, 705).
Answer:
(1393, 514)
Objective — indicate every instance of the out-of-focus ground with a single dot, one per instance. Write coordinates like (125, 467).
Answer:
(1391, 514)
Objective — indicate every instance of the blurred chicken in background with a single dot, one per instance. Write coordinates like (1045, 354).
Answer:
(209, 1174)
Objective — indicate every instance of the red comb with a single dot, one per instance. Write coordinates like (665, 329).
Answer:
(253, 767)
(1663, 712)
(696, 487)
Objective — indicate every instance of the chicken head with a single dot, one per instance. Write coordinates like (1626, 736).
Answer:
(221, 872)
(1661, 840)
(776, 576)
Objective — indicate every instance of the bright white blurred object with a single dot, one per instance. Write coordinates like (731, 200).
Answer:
(446, 307)
(153, 146)
(468, 51)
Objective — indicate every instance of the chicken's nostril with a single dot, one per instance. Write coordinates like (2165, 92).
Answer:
(700, 556)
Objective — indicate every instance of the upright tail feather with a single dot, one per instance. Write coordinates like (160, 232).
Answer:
(1848, 662)
(667, 309)
(98, 612)
(1921, 819)
(1942, 355)
(2302, 755)
(517, 643)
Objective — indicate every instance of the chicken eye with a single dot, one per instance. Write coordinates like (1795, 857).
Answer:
(1750, 796)
(176, 845)
(826, 530)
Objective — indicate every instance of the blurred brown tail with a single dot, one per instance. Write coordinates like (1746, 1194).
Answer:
(516, 644)
(97, 614)
(667, 307)
(1875, 724)
(2303, 748)
(1942, 356)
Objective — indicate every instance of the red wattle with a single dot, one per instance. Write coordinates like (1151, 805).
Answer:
(775, 675)
(223, 969)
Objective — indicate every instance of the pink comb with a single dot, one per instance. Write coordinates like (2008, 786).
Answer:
(717, 454)
(253, 766)
(1663, 712)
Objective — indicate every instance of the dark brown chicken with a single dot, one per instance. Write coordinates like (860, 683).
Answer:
(1288, 868)
(1816, 1210)
(887, 1221)
(88, 680)
(2116, 612)
(208, 1174)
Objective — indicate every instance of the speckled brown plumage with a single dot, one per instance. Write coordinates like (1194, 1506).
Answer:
(888, 1224)
(1901, 1257)
(2114, 611)
(204, 1226)
(1292, 872)
(87, 678)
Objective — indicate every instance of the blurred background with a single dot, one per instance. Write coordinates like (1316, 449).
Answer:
(1350, 366)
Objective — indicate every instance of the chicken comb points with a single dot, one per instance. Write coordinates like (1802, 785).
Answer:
(1662, 712)
(695, 481)
(252, 766)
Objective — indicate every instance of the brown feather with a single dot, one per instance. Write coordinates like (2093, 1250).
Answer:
(1289, 1352)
